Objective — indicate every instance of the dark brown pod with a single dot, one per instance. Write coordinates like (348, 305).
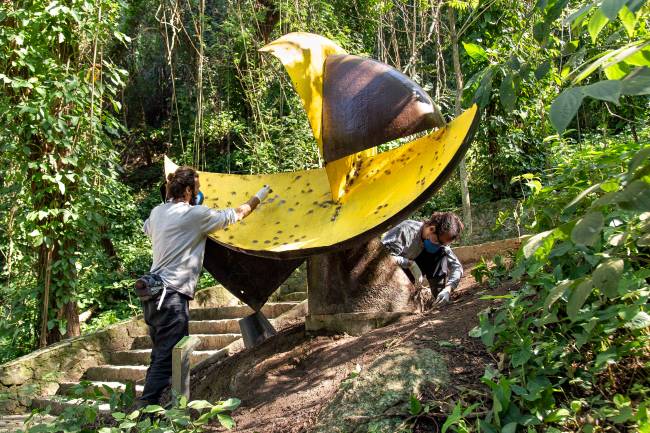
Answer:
(367, 103)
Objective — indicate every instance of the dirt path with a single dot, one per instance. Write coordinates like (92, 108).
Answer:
(299, 374)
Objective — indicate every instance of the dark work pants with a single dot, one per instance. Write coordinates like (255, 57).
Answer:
(166, 328)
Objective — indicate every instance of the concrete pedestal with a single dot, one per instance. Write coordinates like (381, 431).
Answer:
(356, 290)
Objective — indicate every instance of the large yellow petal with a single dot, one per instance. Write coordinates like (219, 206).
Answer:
(303, 56)
(300, 219)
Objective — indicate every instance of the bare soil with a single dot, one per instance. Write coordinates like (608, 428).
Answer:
(285, 382)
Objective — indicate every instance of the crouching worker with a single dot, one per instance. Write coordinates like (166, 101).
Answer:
(178, 231)
(422, 249)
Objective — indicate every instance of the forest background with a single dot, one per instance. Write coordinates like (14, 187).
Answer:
(94, 92)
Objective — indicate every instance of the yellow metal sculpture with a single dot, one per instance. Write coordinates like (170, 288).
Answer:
(303, 56)
(314, 211)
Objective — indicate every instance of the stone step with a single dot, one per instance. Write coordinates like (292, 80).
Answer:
(224, 326)
(65, 387)
(116, 373)
(270, 310)
(57, 404)
(208, 341)
(143, 356)
(13, 423)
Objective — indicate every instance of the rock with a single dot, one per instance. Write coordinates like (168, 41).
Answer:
(8, 406)
(216, 296)
(15, 374)
(49, 388)
(378, 399)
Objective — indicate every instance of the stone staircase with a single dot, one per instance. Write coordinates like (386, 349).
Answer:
(216, 327)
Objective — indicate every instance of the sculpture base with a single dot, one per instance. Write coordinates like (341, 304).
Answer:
(352, 323)
(356, 290)
(255, 329)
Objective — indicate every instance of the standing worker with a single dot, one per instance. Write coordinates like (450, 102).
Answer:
(178, 231)
(423, 249)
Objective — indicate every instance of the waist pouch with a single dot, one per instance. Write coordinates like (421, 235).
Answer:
(148, 286)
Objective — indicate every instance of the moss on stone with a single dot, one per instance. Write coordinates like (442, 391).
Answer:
(376, 399)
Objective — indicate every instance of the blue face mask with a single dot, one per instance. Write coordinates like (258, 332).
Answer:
(430, 247)
(197, 199)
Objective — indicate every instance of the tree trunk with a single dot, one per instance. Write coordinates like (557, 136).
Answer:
(49, 300)
(467, 207)
(46, 267)
(49, 276)
(271, 18)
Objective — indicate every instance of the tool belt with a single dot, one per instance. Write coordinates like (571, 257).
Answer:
(148, 286)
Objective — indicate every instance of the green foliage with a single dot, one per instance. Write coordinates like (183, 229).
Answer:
(60, 194)
(182, 417)
(553, 196)
(492, 275)
(574, 338)
(623, 56)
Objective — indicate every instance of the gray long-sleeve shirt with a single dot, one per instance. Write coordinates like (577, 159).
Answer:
(405, 243)
(178, 232)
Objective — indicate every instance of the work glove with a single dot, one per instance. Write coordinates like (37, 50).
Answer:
(443, 296)
(262, 193)
(417, 273)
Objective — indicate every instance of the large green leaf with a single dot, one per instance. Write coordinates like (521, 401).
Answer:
(200, 405)
(230, 404)
(507, 93)
(555, 10)
(475, 51)
(610, 356)
(596, 23)
(606, 90)
(557, 293)
(607, 275)
(617, 71)
(628, 18)
(639, 58)
(638, 161)
(639, 321)
(637, 82)
(580, 13)
(635, 5)
(610, 8)
(226, 421)
(636, 196)
(484, 91)
(578, 297)
(609, 58)
(587, 230)
(565, 107)
(581, 196)
(534, 242)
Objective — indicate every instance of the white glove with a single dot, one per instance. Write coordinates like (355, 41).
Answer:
(262, 193)
(417, 273)
(443, 296)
